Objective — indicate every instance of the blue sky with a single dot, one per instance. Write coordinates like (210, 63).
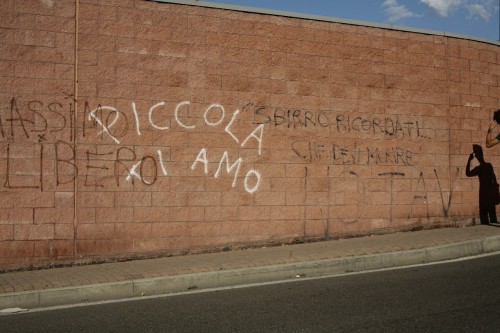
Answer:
(478, 18)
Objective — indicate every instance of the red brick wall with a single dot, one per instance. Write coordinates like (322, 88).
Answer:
(188, 127)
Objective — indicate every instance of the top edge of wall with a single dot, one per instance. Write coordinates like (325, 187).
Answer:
(326, 19)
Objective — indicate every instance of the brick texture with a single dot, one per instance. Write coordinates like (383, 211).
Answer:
(190, 128)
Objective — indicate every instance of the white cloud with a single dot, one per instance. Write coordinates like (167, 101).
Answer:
(443, 7)
(477, 10)
(396, 11)
(482, 9)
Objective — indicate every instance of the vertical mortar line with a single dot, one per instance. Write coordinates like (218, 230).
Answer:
(75, 125)
(447, 53)
(305, 201)
(328, 201)
(392, 200)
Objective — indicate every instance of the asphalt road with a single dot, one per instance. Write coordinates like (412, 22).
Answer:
(461, 296)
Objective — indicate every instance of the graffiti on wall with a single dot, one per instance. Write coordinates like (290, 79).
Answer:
(337, 122)
(114, 162)
(52, 126)
(333, 125)
(312, 151)
(347, 139)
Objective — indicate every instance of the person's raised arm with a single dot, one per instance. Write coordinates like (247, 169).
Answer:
(490, 139)
(468, 173)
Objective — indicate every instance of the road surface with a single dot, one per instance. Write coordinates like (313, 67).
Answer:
(461, 296)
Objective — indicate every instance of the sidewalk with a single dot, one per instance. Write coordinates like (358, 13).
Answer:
(51, 287)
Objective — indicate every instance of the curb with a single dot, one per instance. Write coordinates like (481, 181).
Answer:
(238, 277)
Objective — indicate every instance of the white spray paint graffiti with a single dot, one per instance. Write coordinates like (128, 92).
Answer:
(213, 116)
(202, 158)
(105, 128)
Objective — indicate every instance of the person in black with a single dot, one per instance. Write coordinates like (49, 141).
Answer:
(488, 191)
(493, 139)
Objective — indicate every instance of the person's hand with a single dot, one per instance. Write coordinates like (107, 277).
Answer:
(471, 156)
